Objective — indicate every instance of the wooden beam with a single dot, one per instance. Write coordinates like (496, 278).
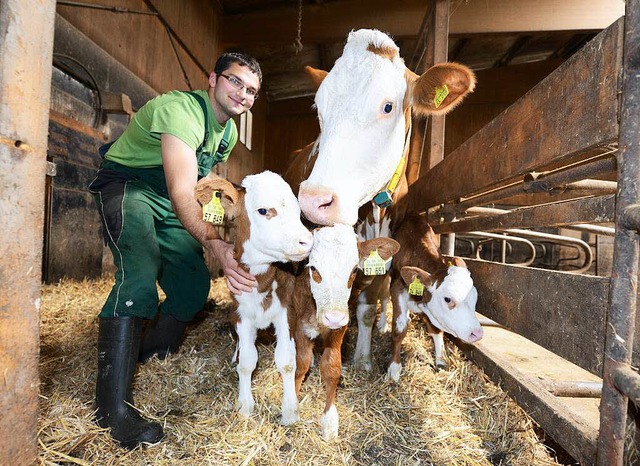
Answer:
(332, 21)
(574, 110)
(563, 312)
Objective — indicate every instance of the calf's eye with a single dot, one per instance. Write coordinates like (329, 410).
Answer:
(262, 211)
(447, 299)
(387, 108)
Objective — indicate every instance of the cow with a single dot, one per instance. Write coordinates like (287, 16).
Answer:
(320, 306)
(269, 235)
(424, 282)
(364, 109)
(364, 105)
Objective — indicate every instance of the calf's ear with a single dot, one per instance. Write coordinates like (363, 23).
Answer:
(316, 75)
(386, 247)
(409, 274)
(229, 199)
(458, 262)
(440, 89)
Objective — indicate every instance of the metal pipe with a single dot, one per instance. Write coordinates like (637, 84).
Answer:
(533, 182)
(621, 317)
(484, 234)
(26, 51)
(627, 381)
(573, 389)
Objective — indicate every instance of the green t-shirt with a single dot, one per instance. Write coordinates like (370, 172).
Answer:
(175, 113)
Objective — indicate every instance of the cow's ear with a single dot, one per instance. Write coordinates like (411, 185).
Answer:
(431, 242)
(229, 195)
(440, 89)
(409, 274)
(316, 75)
(386, 247)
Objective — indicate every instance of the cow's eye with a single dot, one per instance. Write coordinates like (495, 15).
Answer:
(262, 211)
(387, 108)
(447, 299)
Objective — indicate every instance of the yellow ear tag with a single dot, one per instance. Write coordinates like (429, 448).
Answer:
(374, 264)
(213, 212)
(441, 93)
(416, 288)
(449, 264)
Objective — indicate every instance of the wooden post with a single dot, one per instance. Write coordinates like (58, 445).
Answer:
(624, 290)
(25, 86)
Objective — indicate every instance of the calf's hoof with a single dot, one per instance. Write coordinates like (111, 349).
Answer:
(329, 424)
(246, 408)
(394, 371)
(440, 365)
(289, 417)
(362, 364)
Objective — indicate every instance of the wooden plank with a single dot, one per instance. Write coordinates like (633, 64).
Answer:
(563, 312)
(572, 110)
(558, 214)
(331, 21)
(522, 368)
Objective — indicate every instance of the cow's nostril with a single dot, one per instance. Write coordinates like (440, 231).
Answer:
(326, 205)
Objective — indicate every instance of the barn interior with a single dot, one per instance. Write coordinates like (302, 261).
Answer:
(526, 178)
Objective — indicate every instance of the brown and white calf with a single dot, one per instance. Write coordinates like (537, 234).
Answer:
(442, 290)
(320, 306)
(268, 233)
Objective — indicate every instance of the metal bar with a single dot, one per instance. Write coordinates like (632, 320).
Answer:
(557, 214)
(515, 239)
(26, 51)
(573, 389)
(627, 381)
(622, 308)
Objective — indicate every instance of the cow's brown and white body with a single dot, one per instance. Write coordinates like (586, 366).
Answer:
(269, 234)
(364, 106)
(447, 298)
(320, 306)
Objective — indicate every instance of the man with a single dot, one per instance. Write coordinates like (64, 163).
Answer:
(153, 225)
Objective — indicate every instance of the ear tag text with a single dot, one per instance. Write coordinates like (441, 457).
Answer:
(213, 211)
(374, 264)
(441, 93)
(416, 288)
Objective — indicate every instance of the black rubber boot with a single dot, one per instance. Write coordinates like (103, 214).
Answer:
(162, 337)
(118, 344)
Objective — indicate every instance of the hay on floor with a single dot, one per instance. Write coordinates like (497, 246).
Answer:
(449, 417)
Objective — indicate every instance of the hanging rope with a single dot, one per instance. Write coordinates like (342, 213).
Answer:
(297, 44)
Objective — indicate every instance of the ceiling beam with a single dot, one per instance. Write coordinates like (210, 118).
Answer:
(331, 21)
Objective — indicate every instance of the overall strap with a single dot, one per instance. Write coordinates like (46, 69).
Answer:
(203, 105)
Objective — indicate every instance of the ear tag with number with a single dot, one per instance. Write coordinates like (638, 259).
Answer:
(374, 264)
(441, 93)
(213, 212)
(416, 288)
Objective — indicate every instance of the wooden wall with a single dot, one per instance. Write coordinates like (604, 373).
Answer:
(291, 125)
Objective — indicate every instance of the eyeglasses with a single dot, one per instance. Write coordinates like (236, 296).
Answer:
(238, 85)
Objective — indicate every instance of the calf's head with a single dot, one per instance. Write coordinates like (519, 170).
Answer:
(333, 263)
(266, 215)
(364, 105)
(450, 303)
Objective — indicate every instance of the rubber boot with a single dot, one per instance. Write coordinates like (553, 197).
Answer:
(163, 337)
(118, 344)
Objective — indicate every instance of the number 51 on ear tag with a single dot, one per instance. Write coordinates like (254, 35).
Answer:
(374, 264)
(213, 211)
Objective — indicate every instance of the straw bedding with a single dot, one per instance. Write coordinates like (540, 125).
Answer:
(449, 417)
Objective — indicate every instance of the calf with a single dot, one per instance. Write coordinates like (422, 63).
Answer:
(268, 233)
(320, 306)
(424, 282)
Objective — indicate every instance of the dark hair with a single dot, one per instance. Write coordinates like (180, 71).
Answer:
(227, 59)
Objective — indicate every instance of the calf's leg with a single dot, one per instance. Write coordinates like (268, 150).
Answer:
(247, 360)
(330, 370)
(285, 356)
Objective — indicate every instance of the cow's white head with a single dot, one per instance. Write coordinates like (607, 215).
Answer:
(266, 216)
(451, 303)
(333, 264)
(363, 105)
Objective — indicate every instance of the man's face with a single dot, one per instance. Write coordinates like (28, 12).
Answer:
(234, 89)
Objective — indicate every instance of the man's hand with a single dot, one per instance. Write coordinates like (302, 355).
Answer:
(238, 280)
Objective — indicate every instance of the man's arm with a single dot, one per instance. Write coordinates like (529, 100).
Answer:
(181, 173)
